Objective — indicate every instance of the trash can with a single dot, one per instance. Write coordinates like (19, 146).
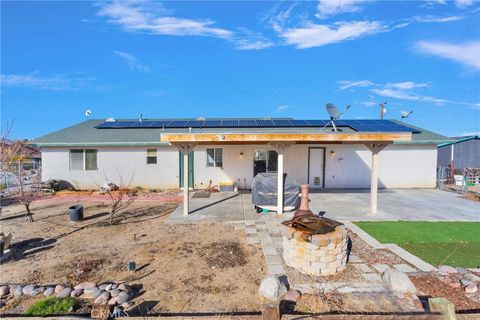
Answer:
(76, 213)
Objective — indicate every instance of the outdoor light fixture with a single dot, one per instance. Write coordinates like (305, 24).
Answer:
(241, 155)
(332, 154)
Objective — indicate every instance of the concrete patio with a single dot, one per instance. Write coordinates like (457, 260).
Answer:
(352, 205)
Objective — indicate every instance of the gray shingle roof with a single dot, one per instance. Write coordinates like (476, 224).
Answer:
(85, 134)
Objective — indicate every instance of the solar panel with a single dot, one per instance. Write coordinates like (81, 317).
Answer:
(247, 123)
(282, 123)
(176, 124)
(194, 124)
(265, 123)
(229, 123)
(212, 124)
(299, 123)
(361, 125)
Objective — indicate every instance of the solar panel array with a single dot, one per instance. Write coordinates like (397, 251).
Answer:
(357, 125)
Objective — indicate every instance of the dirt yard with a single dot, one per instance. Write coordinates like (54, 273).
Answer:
(182, 268)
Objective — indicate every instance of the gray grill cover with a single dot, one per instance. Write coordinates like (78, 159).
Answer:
(264, 191)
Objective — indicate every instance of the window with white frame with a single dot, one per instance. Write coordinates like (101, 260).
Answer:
(215, 157)
(83, 159)
(151, 156)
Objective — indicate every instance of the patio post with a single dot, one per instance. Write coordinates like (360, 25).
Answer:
(185, 149)
(280, 148)
(375, 148)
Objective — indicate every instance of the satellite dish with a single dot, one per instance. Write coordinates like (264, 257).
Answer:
(406, 114)
(88, 113)
(333, 111)
(335, 114)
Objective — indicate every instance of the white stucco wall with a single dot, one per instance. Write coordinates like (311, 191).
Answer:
(400, 166)
(129, 161)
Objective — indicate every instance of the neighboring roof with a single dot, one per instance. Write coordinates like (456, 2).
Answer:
(459, 140)
(85, 134)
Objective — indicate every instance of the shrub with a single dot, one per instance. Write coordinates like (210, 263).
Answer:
(49, 306)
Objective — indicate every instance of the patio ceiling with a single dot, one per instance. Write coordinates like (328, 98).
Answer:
(259, 138)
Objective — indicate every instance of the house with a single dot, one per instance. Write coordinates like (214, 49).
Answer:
(161, 153)
(464, 151)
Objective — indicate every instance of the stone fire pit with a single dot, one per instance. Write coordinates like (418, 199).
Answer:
(315, 245)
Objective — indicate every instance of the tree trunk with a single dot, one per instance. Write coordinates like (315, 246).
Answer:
(29, 213)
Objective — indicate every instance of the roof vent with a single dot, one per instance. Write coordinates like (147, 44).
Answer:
(110, 120)
(201, 119)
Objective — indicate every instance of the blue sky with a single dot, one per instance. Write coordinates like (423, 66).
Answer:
(240, 59)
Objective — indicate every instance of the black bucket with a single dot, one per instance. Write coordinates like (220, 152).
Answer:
(76, 213)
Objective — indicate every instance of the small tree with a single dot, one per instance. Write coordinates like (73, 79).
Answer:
(13, 153)
(120, 197)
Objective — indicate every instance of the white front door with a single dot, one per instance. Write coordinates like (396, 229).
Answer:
(316, 167)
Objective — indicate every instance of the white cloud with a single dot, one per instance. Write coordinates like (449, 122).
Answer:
(369, 103)
(132, 61)
(346, 84)
(431, 18)
(463, 3)
(316, 35)
(407, 85)
(332, 7)
(247, 44)
(58, 82)
(467, 54)
(282, 108)
(151, 17)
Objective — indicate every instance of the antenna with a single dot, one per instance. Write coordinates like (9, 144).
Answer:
(88, 113)
(335, 114)
(383, 110)
(141, 118)
(406, 114)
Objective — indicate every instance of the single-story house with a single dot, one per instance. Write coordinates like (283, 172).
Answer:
(463, 151)
(156, 153)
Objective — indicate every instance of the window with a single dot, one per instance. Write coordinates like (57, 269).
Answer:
(76, 159)
(83, 159)
(151, 156)
(214, 157)
(90, 159)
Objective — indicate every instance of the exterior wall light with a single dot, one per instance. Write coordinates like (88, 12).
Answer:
(241, 155)
(332, 154)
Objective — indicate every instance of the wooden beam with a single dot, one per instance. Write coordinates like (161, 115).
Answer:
(185, 148)
(280, 147)
(220, 138)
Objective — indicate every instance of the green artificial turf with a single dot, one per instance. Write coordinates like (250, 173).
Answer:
(451, 243)
(50, 306)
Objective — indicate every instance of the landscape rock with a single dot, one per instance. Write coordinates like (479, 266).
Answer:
(4, 290)
(125, 287)
(472, 277)
(272, 288)
(292, 295)
(76, 293)
(109, 287)
(447, 269)
(48, 291)
(461, 270)
(123, 297)
(104, 286)
(103, 298)
(112, 301)
(59, 288)
(85, 285)
(471, 288)
(398, 282)
(29, 290)
(92, 293)
(18, 291)
(466, 282)
(477, 270)
(114, 286)
(115, 292)
(64, 293)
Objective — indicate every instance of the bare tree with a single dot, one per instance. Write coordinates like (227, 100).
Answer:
(120, 197)
(13, 155)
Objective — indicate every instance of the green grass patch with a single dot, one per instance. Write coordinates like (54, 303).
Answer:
(50, 306)
(452, 243)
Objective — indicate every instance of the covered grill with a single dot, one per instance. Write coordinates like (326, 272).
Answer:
(264, 192)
